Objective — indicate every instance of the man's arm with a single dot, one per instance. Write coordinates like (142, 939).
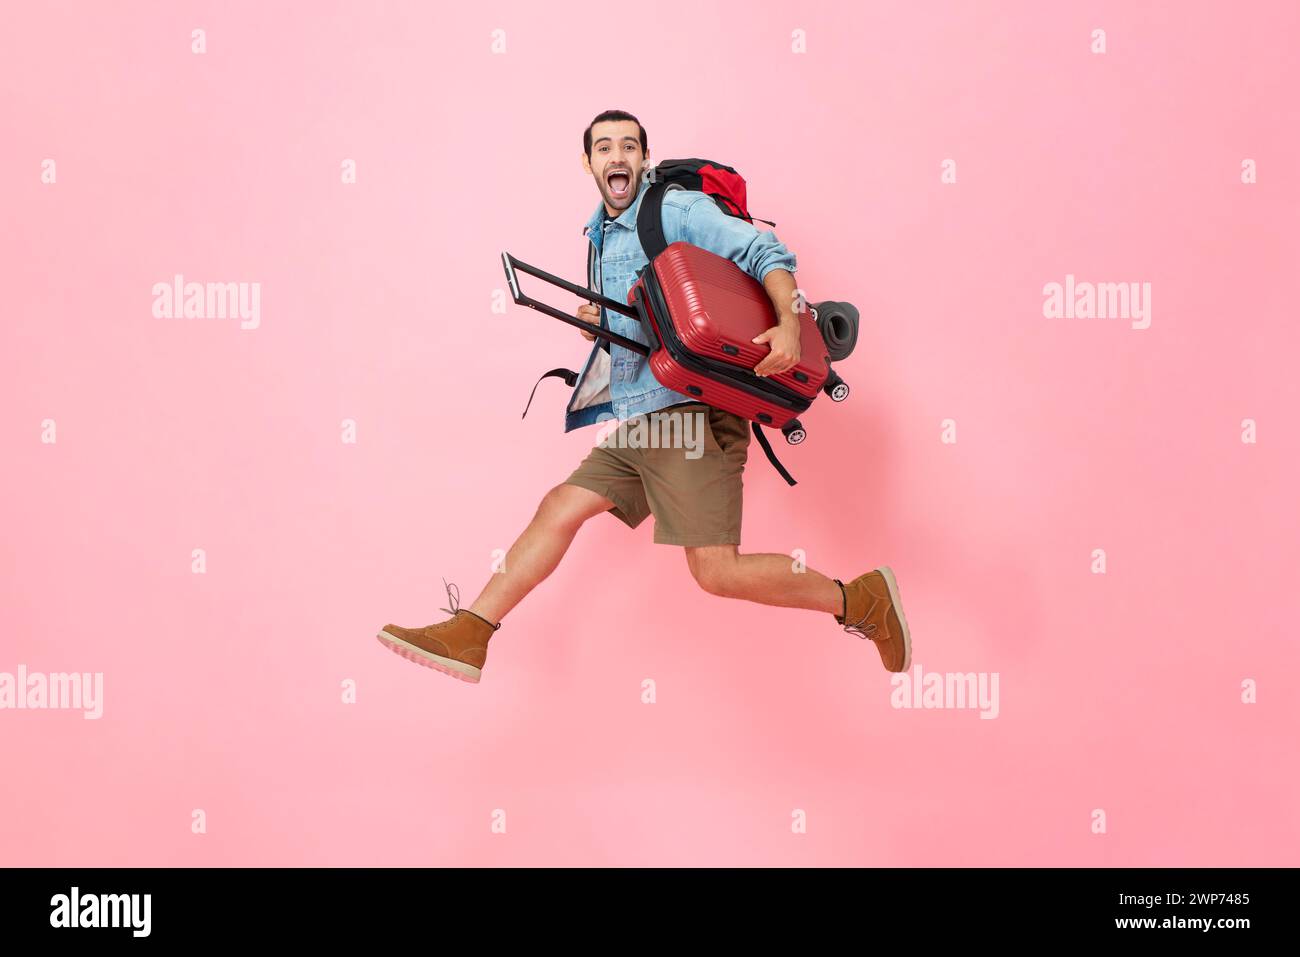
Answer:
(782, 338)
(761, 255)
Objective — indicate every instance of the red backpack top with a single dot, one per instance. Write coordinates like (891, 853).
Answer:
(722, 183)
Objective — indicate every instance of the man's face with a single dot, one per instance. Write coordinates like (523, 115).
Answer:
(616, 162)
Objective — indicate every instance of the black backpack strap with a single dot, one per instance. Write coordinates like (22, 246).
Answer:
(771, 456)
(568, 375)
(650, 220)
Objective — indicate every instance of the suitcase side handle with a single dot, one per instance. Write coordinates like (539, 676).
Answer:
(511, 264)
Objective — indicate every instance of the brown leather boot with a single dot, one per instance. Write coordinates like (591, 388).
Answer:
(872, 609)
(456, 647)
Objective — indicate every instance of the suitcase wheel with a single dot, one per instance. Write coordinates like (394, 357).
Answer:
(794, 432)
(835, 387)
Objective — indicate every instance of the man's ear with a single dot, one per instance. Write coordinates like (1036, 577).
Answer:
(586, 164)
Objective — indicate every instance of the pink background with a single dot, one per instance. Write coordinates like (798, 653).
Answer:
(223, 691)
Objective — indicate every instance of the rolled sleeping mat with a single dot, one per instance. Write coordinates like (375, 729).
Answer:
(838, 323)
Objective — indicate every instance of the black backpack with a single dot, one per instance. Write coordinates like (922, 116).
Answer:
(722, 183)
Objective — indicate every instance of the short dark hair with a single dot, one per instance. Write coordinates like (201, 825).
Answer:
(613, 115)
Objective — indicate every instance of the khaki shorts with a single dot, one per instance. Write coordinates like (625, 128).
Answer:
(692, 486)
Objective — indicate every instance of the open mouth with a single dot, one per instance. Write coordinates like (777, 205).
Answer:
(619, 182)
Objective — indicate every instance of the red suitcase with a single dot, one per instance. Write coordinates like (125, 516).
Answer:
(700, 312)
(704, 313)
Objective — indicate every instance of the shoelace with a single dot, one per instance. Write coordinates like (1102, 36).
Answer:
(453, 599)
(856, 628)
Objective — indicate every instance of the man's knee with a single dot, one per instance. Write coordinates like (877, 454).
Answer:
(713, 567)
(569, 506)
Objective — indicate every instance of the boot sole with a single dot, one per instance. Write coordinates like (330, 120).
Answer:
(892, 585)
(448, 666)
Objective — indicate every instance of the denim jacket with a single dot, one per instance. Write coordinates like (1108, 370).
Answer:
(618, 384)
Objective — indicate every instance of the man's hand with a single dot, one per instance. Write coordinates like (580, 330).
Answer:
(589, 312)
(783, 340)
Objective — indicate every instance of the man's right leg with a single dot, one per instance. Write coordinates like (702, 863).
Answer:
(537, 551)
(605, 481)
(459, 645)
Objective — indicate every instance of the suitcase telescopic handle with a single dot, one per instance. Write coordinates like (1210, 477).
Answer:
(511, 264)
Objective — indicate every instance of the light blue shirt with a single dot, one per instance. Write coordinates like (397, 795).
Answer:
(688, 216)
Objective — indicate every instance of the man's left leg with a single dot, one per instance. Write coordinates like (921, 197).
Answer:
(766, 579)
(697, 504)
(868, 606)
